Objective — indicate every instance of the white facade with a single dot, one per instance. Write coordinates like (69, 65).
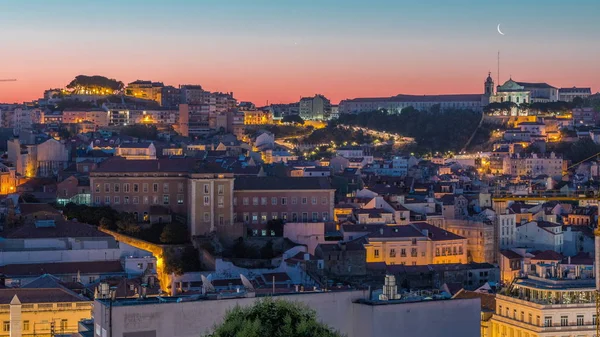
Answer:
(339, 310)
(540, 235)
(507, 230)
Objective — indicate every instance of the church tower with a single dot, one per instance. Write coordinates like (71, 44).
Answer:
(489, 85)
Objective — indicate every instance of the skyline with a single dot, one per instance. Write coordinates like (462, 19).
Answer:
(279, 52)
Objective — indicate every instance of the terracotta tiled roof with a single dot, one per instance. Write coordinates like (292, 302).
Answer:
(44, 295)
(488, 301)
(281, 183)
(548, 255)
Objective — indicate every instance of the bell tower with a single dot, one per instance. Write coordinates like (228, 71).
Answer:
(489, 85)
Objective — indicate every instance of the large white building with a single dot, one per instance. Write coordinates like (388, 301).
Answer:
(352, 313)
(550, 300)
(567, 94)
(533, 165)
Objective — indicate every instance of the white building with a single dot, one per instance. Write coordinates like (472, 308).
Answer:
(567, 94)
(315, 108)
(507, 229)
(540, 235)
(350, 152)
(352, 313)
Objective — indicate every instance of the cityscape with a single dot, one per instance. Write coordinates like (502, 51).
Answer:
(263, 168)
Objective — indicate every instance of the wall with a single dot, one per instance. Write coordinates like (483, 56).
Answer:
(334, 308)
(309, 234)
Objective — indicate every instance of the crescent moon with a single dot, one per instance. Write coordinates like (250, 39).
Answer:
(499, 31)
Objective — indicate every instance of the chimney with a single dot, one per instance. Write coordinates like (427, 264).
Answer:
(15, 317)
(143, 292)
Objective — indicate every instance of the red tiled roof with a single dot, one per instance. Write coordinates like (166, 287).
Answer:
(548, 255)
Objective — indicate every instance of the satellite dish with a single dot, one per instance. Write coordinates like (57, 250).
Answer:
(247, 284)
(207, 285)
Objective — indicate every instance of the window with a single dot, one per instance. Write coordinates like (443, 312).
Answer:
(107, 200)
(166, 188)
(294, 200)
(284, 216)
(579, 320)
(97, 200)
(246, 217)
(26, 325)
(155, 200)
(314, 200)
(126, 200)
(263, 218)
(500, 310)
(530, 318)
(325, 216)
(206, 217)
(376, 253)
(145, 200)
(254, 217)
(145, 187)
(245, 201)
(220, 201)
(126, 188)
(255, 201)
(273, 200)
(263, 201)
(537, 320)
(6, 326)
(413, 242)
(548, 321)
(283, 201)
(294, 216)
(564, 321)
(304, 201)
(437, 252)
(220, 189)
(403, 252)
(324, 200)
(274, 215)
(594, 319)
(154, 187)
(97, 188)
(206, 200)
(64, 324)
(413, 252)
(522, 316)
(180, 187)
(205, 188)
(165, 199)
(221, 219)
(179, 199)
(107, 188)
(304, 216)
(315, 216)
(392, 252)
(136, 188)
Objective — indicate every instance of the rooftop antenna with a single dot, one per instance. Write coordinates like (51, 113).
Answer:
(498, 67)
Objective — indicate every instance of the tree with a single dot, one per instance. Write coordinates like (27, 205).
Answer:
(269, 317)
(295, 119)
(266, 252)
(174, 233)
(106, 223)
(127, 225)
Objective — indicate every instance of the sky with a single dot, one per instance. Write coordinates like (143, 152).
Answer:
(279, 50)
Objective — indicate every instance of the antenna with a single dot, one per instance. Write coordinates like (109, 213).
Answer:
(498, 68)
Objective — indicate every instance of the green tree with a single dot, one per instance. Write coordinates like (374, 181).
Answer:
(174, 233)
(107, 223)
(127, 225)
(266, 252)
(273, 318)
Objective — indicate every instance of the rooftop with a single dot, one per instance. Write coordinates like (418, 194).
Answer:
(251, 183)
(35, 269)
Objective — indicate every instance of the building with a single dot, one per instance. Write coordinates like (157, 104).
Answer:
(136, 151)
(24, 118)
(350, 312)
(44, 158)
(480, 235)
(584, 116)
(534, 165)
(396, 104)
(170, 97)
(568, 94)
(415, 244)
(315, 108)
(99, 117)
(42, 311)
(257, 117)
(540, 235)
(551, 300)
(163, 116)
(154, 189)
(146, 90)
(295, 199)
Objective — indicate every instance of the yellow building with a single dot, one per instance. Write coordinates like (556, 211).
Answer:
(553, 300)
(415, 244)
(257, 117)
(41, 311)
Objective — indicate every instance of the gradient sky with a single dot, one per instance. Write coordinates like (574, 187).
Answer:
(279, 50)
